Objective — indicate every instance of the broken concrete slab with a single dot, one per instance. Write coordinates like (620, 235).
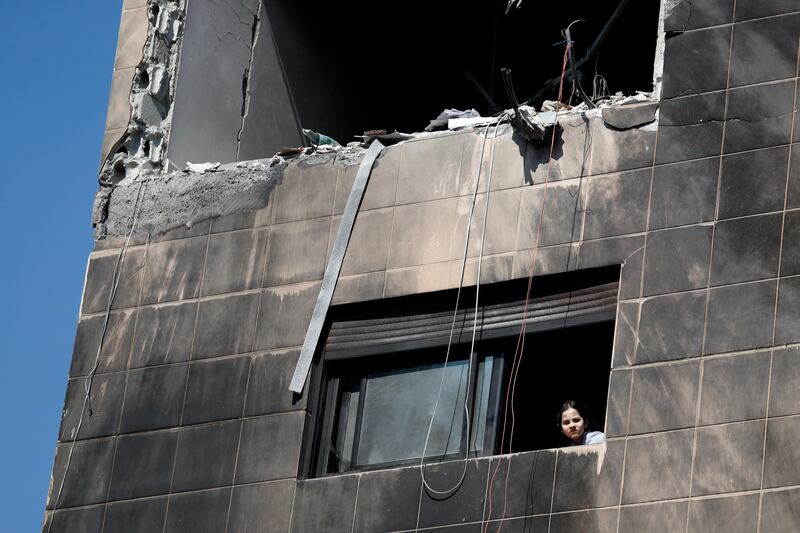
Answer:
(630, 116)
(139, 143)
(682, 15)
(149, 110)
(184, 198)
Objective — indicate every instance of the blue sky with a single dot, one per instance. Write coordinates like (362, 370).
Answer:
(56, 64)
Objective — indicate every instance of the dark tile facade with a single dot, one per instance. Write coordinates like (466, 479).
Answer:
(136, 516)
(261, 507)
(465, 505)
(388, 500)
(193, 428)
(728, 458)
(663, 467)
(734, 514)
(668, 516)
(664, 397)
(780, 511)
(143, 465)
(534, 472)
(588, 480)
(684, 193)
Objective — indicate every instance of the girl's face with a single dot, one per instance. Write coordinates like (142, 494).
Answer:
(572, 424)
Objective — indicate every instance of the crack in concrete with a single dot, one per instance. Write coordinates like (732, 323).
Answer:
(636, 251)
(235, 37)
(243, 22)
(687, 91)
(721, 121)
(246, 78)
(689, 14)
(254, 13)
(669, 9)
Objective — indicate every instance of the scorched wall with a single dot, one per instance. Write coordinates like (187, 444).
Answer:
(194, 429)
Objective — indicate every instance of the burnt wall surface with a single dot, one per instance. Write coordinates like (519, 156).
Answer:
(193, 428)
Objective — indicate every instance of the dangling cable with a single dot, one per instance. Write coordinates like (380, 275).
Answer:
(513, 4)
(576, 84)
(517, 359)
(553, 82)
(455, 487)
(87, 405)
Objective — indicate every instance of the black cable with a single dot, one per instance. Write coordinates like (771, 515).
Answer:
(553, 82)
(576, 84)
(512, 96)
(513, 4)
(519, 121)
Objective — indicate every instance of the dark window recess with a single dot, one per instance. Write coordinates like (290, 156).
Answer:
(379, 372)
(355, 66)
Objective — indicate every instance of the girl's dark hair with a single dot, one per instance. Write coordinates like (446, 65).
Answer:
(582, 409)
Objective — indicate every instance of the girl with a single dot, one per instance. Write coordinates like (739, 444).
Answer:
(574, 421)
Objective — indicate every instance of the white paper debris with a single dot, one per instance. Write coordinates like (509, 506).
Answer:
(454, 123)
(202, 168)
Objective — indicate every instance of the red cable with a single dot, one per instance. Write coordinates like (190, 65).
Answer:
(517, 361)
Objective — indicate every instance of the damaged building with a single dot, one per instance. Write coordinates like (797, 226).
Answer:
(318, 302)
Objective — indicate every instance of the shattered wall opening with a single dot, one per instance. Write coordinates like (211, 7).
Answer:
(272, 68)
(140, 142)
(349, 73)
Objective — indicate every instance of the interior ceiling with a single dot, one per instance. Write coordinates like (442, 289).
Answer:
(358, 65)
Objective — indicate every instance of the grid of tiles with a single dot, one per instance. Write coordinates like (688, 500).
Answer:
(193, 427)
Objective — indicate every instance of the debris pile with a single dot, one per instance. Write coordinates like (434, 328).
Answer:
(535, 124)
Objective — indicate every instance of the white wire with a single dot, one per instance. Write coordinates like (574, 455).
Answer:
(90, 377)
(455, 487)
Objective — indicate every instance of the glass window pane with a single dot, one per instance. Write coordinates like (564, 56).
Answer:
(482, 391)
(346, 432)
(398, 407)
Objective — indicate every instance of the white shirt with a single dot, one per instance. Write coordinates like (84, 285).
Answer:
(591, 437)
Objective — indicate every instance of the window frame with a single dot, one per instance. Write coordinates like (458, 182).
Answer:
(332, 380)
(321, 407)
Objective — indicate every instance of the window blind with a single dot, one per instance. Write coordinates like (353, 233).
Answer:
(382, 334)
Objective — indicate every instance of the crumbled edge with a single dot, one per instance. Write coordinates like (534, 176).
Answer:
(142, 148)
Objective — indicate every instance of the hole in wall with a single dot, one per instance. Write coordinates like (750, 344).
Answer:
(396, 66)
(119, 171)
(144, 79)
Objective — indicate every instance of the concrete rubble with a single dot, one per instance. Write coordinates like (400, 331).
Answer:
(142, 148)
(185, 197)
(203, 191)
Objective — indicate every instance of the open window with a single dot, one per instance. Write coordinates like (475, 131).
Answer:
(379, 375)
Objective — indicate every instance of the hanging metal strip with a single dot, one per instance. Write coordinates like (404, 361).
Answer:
(333, 268)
